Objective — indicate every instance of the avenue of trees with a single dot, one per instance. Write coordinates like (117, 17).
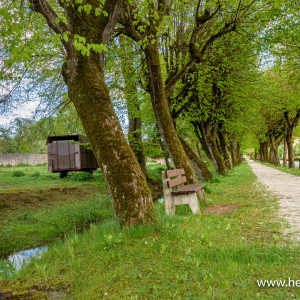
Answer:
(193, 81)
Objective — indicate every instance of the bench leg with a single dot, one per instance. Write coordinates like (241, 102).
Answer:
(170, 208)
(201, 195)
(194, 205)
(169, 201)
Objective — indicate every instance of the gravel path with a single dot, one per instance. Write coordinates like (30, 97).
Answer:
(286, 187)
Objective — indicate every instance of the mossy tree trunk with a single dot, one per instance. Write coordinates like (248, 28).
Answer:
(266, 152)
(224, 147)
(233, 150)
(284, 151)
(238, 153)
(162, 113)
(274, 142)
(202, 139)
(84, 77)
(134, 113)
(290, 127)
(197, 163)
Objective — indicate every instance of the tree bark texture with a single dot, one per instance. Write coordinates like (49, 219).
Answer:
(163, 117)
(291, 156)
(274, 144)
(84, 77)
(202, 140)
(290, 127)
(233, 151)
(197, 163)
(224, 148)
(284, 151)
(238, 153)
(130, 91)
(208, 142)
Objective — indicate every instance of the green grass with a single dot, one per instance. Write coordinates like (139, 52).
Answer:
(179, 257)
(38, 207)
(285, 169)
(24, 229)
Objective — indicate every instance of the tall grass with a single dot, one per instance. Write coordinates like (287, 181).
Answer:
(178, 257)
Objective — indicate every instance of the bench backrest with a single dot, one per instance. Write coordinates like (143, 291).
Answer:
(177, 181)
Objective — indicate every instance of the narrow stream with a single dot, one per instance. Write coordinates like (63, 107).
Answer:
(16, 261)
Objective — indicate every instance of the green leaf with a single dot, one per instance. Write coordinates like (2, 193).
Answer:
(7, 63)
(97, 12)
(65, 36)
(57, 20)
(105, 13)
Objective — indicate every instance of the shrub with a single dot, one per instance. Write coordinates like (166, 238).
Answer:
(17, 174)
(41, 165)
(82, 176)
(23, 165)
(36, 174)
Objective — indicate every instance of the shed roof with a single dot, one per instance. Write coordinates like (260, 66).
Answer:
(74, 137)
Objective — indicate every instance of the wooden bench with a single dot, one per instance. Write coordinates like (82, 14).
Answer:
(184, 194)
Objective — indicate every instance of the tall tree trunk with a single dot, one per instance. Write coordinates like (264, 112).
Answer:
(233, 151)
(162, 114)
(197, 163)
(290, 127)
(224, 147)
(284, 151)
(238, 153)
(274, 144)
(211, 143)
(264, 151)
(84, 77)
(126, 183)
(289, 141)
(130, 91)
(202, 140)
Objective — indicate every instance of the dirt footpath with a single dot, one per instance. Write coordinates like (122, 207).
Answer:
(286, 187)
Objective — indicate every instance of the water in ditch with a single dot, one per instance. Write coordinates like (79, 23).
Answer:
(16, 261)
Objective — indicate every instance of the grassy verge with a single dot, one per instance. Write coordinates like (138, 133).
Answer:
(285, 169)
(37, 207)
(182, 257)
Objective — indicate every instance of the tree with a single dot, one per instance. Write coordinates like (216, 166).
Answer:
(83, 49)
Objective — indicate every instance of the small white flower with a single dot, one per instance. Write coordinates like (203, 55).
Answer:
(105, 294)
(146, 242)
(242, 237)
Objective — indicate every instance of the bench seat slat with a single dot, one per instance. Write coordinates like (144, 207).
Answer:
(176, 181)
(189, 189)
(172, 173)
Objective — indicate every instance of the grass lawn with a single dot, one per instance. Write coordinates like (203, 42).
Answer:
(182, 257)
(285, 169)
(39, 206)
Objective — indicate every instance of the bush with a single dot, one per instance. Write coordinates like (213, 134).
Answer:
(41, 165)
(23, 165)
(82, 176)
(17, 174)
(36, 174)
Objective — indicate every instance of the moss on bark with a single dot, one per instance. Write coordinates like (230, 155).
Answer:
(233, 145)
(224, 147)
(197, 163)
(163, 117)
(127, 186)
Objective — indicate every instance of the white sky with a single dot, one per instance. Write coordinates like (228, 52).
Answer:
(23, 111)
